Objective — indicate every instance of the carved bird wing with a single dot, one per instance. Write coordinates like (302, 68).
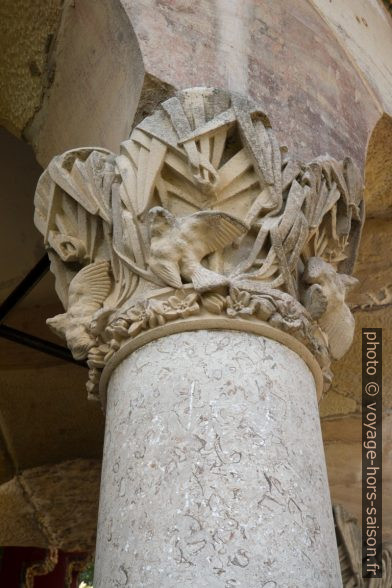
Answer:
(90, 287)
(167, 270)
(208, 231)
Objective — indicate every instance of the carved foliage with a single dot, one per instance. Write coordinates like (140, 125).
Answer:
(204, 208)
(348, 534)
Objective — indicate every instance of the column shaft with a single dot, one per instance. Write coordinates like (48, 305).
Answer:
(214, 472)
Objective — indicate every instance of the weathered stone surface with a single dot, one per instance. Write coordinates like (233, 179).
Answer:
(341, 425)
(27, 31)
(213, 470)
(65, 499)
(52, 506)
(349, 540)
(373, 268)
(363, 28)
(274, 52)
(334, 403)
(97, 84)
(378, 170)
(204, 214)
(18, 524)
(154, 92)
(283, 54)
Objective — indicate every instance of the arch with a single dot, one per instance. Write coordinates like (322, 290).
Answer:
(373, 263)
(378, 170)
(98, 74)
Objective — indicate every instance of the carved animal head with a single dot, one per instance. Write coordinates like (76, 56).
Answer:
(332, 285)
(75, 331)
(318, 271)
(87, 292)
(160, 220)
(57, 324)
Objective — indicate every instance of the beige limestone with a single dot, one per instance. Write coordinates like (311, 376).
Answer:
(334, 404)
(98, 80)
(378, 170)
(51, 506)
(64, 497)
(341, 424)
(363, 28)
(18, 524)
(350, 553)
(373, 268)
(204, 214)
(284, 54)
(27, 32)
(213, 470)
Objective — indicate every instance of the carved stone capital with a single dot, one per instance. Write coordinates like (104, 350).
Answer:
(349, 538)
(201, 215)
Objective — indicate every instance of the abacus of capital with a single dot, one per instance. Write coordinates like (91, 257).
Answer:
(203, 272)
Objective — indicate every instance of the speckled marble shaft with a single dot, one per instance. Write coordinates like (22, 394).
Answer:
(214, 472)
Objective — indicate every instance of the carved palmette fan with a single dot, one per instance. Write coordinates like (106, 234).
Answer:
(194, 153)
(203, 149)
(206, 150)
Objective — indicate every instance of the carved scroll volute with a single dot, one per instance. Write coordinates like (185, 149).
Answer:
(202, 214)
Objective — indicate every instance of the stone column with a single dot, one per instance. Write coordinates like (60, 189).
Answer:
(214, 471)
(204, 275)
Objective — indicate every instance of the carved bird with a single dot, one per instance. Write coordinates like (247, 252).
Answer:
(178, 245)
(87, 292)
(325, 302)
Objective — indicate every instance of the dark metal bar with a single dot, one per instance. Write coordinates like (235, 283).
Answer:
(38, 344)
(25, 286)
